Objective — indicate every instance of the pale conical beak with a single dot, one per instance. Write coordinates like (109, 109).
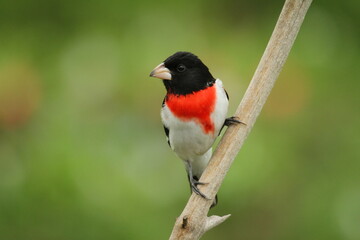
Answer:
(161, 72)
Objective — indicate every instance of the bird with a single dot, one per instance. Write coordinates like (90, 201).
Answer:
(193, 112)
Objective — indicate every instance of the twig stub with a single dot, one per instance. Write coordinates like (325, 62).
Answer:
(184, 222)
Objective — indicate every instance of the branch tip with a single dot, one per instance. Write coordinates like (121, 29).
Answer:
(214, 220)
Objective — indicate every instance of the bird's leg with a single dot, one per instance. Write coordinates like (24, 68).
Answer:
(194, 181)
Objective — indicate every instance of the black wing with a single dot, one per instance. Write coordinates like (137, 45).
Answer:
(167, 135)
(227, 95)
(167, 131)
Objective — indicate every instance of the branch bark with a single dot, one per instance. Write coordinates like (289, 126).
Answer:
(193, 221)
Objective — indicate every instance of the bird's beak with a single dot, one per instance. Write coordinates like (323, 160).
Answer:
(161, 72)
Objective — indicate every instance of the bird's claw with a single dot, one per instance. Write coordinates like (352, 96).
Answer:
(232, 120)
(196, 190)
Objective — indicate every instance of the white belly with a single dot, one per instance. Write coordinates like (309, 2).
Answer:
(187, 138)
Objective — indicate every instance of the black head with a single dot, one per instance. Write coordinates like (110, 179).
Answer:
(183, 73)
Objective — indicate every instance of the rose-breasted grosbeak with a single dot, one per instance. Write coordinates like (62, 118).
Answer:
(193, 112)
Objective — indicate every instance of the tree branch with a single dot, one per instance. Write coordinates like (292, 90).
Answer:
(193, 221)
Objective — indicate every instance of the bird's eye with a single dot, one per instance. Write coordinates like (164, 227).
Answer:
(181, 68)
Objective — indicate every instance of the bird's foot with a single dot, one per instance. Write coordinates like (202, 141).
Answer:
(232, 120)
(194, 183)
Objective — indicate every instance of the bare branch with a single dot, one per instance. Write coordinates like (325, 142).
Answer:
(193, 221)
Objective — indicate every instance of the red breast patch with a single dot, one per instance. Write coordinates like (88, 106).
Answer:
(196, 106)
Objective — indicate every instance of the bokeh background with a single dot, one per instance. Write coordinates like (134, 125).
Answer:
(82, 150)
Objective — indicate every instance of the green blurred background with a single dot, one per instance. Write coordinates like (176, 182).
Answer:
(82, 150)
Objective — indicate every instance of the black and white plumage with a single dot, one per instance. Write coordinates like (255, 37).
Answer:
(193, 112)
